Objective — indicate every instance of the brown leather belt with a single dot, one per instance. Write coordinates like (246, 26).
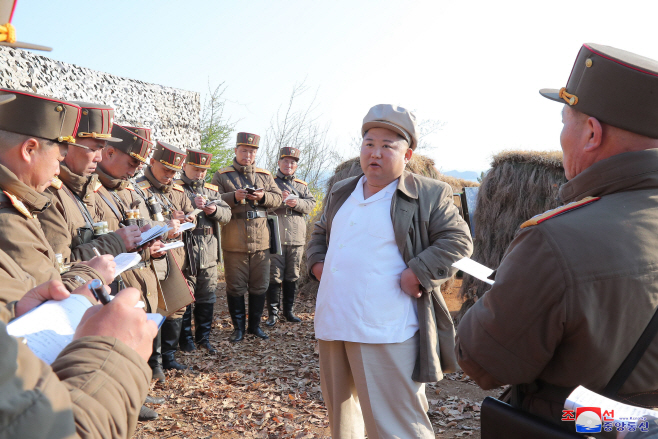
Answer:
(203, 231)
(250, 214)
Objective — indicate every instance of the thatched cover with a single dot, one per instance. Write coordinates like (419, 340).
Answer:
(418, 164)
(519, 185)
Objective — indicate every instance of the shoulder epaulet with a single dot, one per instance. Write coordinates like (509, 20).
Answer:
(538, 219)
(211, 187)
(97, 186)
(227, 169)
(178, 187)
(144, 184)
(56, 183)
(297, 180)
(263, 171)
(179, 182)
(18, 204)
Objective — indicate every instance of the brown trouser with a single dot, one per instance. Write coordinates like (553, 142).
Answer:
(247, 272)
(285, 267)
(372, 383)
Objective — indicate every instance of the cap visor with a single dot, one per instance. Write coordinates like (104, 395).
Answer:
(20, 45)
(198, 166)
(171, 167)
(113, 139)
(4, 99)
(552, 93)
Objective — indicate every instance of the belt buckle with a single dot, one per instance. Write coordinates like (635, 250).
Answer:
(288, 210)
(251, 214)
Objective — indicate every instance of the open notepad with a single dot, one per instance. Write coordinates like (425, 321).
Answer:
(48, 328)
(153, 233)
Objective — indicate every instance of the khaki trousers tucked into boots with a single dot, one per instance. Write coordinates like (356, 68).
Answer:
(372, 383)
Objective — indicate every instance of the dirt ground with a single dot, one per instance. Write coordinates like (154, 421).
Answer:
(271, 389)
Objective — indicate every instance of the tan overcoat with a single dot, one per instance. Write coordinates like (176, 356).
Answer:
(292, 223)
(431, 236)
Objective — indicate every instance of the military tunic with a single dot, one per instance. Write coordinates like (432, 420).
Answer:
(74, 198)
(172, 197)
(574, 291)
(205, 245)
(118, 196)
(292, 229)
(246, 241)
(22, 237)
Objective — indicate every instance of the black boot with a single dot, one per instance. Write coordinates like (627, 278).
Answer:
(289, 293)
(186, 341)
(155, 361)
(147, 414)
(273, 292)
(203, 322)
(237, 310)
(170, 334)
(256, 305)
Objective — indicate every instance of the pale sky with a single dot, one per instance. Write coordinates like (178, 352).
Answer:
(476, 66)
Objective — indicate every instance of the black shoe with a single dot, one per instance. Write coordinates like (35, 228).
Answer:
(170, 363)
(289, 293)
(208, 347)
(203, 314)
(236, 336)
(237, 309)
(153, 400)
(158, 374)
(273, 293)
(256, 305)
(147, 414)
(186, 341)
(258, 333)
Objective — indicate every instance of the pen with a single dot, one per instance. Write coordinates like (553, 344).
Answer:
(96, 288)
(97, 252)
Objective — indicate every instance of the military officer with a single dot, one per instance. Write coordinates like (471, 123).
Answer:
(68, 222)
(577, 285)
(297, 202)
(158, 181)
(205, 248)
(249, 191)
(35, 132)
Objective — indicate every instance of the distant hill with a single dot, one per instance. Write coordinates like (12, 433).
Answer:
(466, 175)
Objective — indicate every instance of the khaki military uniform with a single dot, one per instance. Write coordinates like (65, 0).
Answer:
(573, 293)
(172, 197)
(117, 196)
(292, 229)
(23, 239)
(205, 243)
(75, 207)
(246, 241)
(94, 388)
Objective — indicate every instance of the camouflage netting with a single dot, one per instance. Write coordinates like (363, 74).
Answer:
(519, 185)
(418, 164)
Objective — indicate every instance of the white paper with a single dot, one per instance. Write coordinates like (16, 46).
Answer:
(185, 226)
(50, 327)
(153, 233)
(624, 413)
(195, 212)
(291, 197)
(126, 261)
(171, 245)
(475, 269)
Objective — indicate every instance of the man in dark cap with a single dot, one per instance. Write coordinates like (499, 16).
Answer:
(384, 245)
(68, 222)
(204, 251)
(158, 181)
(249, 191)
(35, 132)
(284, 269)
(577, 286)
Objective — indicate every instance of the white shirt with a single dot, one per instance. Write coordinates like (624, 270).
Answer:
(360, 298)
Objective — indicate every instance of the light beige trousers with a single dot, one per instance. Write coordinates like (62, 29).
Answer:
(372, 383)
